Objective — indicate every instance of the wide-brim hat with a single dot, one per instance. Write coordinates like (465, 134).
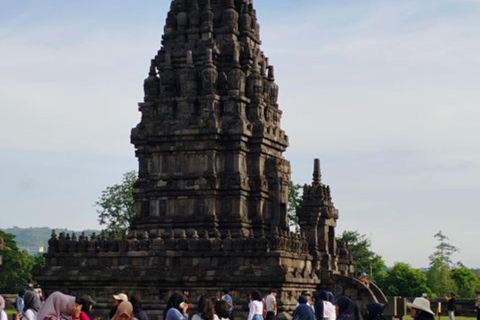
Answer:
(121, 297)
(421, 304)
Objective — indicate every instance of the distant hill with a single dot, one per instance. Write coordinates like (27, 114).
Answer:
(30, 238)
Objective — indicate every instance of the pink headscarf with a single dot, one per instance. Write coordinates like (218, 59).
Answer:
(58, 306)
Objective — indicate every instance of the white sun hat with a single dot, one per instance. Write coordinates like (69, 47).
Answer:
(421, 304)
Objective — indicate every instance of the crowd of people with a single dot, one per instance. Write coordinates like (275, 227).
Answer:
(322, 305)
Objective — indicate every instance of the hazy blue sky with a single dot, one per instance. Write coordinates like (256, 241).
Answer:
(385, 92)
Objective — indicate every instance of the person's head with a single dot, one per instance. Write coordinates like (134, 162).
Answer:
(136, 303)
(206, 307)
(345, 306)
(274, 292)
(374, 311)
(231, 291)
(256, 295)
(307, 295)
(31, 301)
(124, 311)
(21, 293)
(119, 298)
(270, 315)
(87, 303)
(58, 306)
(302, 300)
(222, 309)
(176, 301)
(418, 306)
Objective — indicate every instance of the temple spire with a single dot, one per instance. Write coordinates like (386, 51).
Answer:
(317, 175)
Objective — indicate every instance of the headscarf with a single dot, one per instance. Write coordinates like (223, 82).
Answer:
(346, 308)
(174, 302)
(330, 297)
(123, 308)
(32, 301)
(2, 303)
(375, 311)
(58, 306)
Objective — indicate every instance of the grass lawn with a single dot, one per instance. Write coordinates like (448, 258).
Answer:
(10, 312)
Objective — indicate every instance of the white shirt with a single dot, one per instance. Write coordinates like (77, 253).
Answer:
(270, 303)
(29, 315)
(329, 311)
(3, 315)
(255, 307)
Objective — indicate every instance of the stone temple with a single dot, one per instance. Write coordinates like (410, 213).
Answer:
(211, 198)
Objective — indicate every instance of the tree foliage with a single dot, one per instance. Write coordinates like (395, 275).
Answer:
(366, 261)
(293, 203)
(466, 281)
(16, 269)
(116, 205)
(439, 274)
(404, 281)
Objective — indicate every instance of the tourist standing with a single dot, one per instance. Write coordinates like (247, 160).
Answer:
(205, 309)
(137, 308)
(222, 310)
(87, 303)
(3, 314)
(228, 298)
(420, 309)
(451, 308)
(271, 302)
(124, 312)
(319, 304)
(345, 309)
(255, 307)
(19, 302)
(32, 305)
(177, 308)
(117, 299)
(58, 306)
(375, 311)
(303, 311)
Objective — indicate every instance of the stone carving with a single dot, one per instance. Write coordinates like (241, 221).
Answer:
(209, 75)
(151, 85)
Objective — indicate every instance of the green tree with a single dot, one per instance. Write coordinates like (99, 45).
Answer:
(116, 205)
(16, 269)
(439, 274)
(466, 281)
(293, 203)
(404, 281)
(366, 261)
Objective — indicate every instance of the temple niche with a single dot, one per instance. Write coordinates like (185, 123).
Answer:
(212, 192)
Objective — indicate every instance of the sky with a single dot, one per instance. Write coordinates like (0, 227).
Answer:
(384, 92)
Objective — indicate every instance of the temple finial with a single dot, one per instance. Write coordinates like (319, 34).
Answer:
(317, 175)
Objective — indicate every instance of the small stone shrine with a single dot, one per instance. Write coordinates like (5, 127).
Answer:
(211, 198)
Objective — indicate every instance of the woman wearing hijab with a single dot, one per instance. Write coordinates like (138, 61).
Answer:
(255, 306)
(124, 312)
(303, 311)
(375, 311)
(420, 309)
(3, 314)
(177, 308)
(345, 309)
(32, 305)
(58, 306)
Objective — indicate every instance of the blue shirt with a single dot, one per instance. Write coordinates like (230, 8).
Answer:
(174, 314)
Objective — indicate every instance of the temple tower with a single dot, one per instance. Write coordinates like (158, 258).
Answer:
(210, 146)
(212, 193)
